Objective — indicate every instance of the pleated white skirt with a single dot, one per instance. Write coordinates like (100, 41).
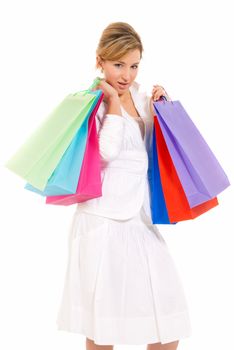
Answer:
(121, 284)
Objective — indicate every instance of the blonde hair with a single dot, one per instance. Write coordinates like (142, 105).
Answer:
(117, 40)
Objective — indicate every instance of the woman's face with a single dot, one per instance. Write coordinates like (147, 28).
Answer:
(121, 73)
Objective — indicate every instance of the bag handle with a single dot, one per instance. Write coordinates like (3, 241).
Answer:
(94, 84)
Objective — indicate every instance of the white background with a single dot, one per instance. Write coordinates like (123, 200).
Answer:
(47, 51)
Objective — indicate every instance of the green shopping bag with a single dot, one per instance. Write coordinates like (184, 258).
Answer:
(37, 158)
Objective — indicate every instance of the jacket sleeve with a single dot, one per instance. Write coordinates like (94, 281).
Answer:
(149, 141)
(110, 130)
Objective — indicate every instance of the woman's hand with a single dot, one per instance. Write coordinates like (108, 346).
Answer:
(108, 90)
(157, 92)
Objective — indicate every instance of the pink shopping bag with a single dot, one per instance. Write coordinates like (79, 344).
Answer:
(89, 184)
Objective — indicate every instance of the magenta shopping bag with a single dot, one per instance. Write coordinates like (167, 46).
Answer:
(200, 173)
(89, 185)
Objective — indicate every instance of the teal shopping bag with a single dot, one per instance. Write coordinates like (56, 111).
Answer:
(38, 157)
(65, 177)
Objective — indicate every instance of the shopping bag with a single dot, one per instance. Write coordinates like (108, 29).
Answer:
(37, 158)
(65, 177)
(158, 207)
(177, 204)
(89, 184)
(200, 173)
(58, 182)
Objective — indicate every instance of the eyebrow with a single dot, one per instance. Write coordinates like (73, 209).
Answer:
(124, 62)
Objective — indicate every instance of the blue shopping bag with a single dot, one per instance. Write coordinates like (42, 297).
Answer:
(159, 212)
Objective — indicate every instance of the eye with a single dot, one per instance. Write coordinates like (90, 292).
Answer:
(135, 66)
(117, 65)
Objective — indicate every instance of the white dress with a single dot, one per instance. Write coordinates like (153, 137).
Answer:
(121, 284)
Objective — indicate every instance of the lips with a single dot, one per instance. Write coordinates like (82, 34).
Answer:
(122, 85)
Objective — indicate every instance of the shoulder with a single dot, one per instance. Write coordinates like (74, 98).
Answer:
(139, 93)
(140, 98)
(137, 90)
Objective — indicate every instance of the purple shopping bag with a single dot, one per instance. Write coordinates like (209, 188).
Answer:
(200, 173)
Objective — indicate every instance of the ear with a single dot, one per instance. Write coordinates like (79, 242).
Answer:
(98, 62)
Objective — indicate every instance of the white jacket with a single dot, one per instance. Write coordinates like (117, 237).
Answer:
(124, 161)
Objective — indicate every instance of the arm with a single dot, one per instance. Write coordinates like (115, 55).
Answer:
(110, 128)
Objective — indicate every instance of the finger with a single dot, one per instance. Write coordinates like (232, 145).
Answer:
(158, 87)
(161, 92)
(158, 90)
(157, 96)
(155, 91)
(97, 87)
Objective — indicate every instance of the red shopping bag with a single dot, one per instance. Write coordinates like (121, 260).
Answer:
(199, 171)
(176, 202)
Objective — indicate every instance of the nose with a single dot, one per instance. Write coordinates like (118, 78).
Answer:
(126, 75)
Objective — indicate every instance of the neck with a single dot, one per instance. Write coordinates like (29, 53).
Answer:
(125, 96)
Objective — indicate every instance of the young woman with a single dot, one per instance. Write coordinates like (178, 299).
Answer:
(122, 286)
